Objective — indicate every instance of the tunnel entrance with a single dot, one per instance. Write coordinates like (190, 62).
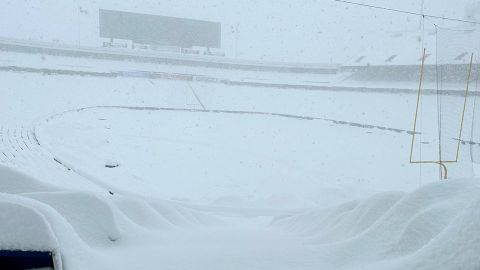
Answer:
(21, 260)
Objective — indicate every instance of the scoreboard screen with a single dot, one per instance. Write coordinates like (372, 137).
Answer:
(159, 30)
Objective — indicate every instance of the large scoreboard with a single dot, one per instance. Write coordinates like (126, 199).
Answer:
(159, 30)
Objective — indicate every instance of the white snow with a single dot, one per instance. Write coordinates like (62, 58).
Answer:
(137, 173)
(199, 190)
(424, 229)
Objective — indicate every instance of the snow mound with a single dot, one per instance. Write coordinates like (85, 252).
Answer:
(14, 182)
(436, 226)
(92, 217)
(184, 216)
(314, 221)
(77, 224)
(142, 213)
(24, 228)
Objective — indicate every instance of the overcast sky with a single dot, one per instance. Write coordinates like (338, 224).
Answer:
(278, 30)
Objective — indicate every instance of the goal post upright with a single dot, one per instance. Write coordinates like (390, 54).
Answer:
(467, 88)
(418, 105)
(441, 163)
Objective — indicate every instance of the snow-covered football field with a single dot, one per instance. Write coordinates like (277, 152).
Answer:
(132, 173)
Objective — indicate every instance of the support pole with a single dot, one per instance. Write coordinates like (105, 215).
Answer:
(464, 106)
(418, 105)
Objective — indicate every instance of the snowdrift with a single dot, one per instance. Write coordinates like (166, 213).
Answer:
(14, 182)
(434, 227)
(75, 225)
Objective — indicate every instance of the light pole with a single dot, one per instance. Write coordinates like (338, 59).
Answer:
(78, 26)
(422, 9)
(80, 10)
(236, 39)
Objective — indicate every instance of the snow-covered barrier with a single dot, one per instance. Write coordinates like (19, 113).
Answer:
(26, 239)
